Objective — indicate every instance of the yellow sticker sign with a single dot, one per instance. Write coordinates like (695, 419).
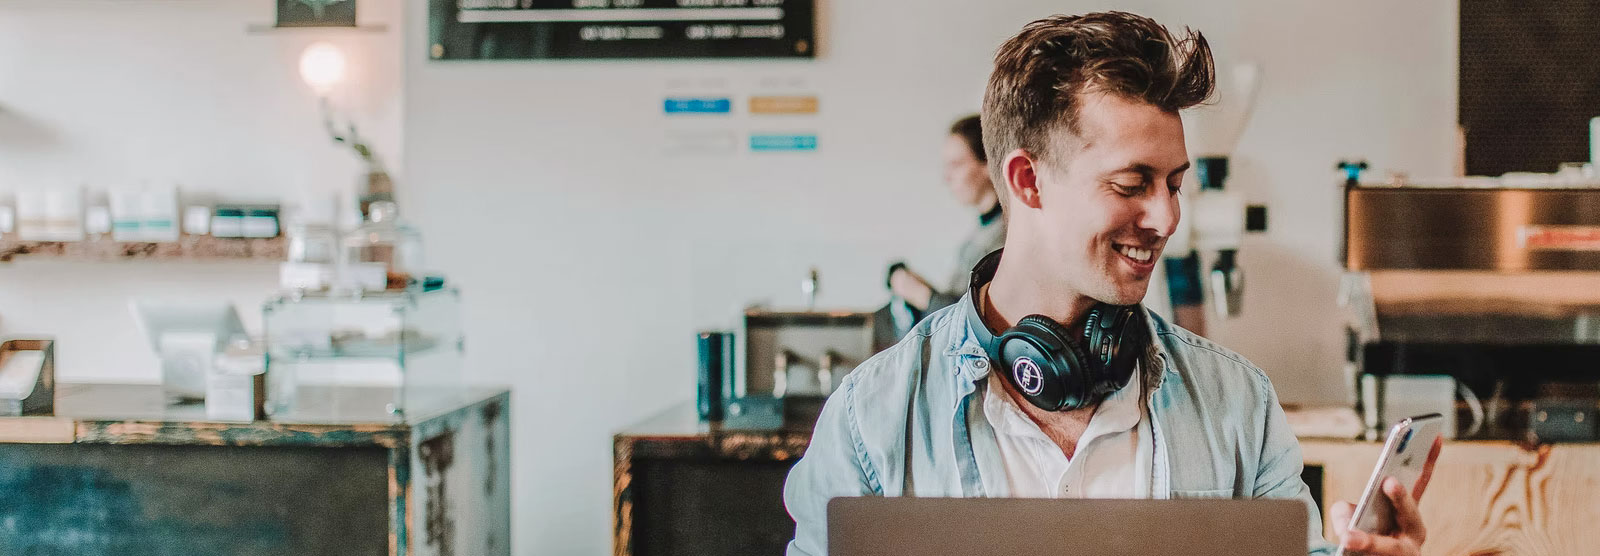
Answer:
(783, 104)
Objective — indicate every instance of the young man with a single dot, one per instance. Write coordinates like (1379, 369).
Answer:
(1090, 395)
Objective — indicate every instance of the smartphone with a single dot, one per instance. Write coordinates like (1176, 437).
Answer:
(1404, 456)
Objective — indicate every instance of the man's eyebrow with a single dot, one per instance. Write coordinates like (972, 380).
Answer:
(1137, 168)
(1148, 170)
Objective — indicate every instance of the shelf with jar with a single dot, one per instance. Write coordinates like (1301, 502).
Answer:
(189, 247)
(132, 224)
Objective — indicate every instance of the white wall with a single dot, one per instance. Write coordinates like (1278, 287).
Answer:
(110, 93)
(589, 259)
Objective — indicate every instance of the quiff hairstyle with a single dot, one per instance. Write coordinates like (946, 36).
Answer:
(1041, 73)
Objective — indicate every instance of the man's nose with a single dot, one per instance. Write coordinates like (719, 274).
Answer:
(1160, 212)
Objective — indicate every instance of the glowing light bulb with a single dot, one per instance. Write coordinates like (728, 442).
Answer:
(322, 67)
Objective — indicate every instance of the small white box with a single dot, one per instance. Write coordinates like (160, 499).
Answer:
(97, 220)
(127, 214)
(366, 276)
(50, 215)
(31, 215)
(305, 276)
(160, 214)
(230, 396)
(186, 361)
(197, 220)
(64, 214)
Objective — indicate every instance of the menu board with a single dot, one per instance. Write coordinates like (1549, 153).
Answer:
(558, 29)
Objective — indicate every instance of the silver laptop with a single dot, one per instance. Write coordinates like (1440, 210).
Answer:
(878, 526)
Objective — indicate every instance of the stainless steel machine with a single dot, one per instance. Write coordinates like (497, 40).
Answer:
(1495, 288)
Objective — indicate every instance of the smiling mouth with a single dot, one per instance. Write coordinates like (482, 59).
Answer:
(1136, 254)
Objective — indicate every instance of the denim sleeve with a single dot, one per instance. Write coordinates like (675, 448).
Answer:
(833, 466)
(1279, 473)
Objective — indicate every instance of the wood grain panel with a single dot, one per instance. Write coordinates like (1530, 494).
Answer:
(33, 430)
(1487, 498)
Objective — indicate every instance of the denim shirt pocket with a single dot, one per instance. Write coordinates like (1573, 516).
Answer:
(1207, 493)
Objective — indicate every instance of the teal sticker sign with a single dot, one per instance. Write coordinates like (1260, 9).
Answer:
(783, 142)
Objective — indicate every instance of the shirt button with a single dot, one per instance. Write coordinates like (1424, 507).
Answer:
(981, 364)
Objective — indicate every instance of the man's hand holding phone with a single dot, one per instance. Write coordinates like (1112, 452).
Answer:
(1403, 533)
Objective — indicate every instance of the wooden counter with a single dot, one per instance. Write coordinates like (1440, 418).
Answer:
(685, 487)
(1487, 497)
(117, 471)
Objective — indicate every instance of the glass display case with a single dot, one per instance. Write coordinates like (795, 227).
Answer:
(404, 347)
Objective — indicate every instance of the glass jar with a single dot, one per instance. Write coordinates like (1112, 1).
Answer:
(316, 243)
(384, 240)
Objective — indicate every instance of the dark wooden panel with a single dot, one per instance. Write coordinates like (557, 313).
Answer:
(78, 499)
(710, 508)
(460, 471)
(1529, 83)
(1312, 475)
(686, 487)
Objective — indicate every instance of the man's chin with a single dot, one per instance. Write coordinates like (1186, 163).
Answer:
(1130, 295)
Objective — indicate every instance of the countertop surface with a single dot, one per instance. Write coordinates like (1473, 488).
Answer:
(138, 413)
(681, 423)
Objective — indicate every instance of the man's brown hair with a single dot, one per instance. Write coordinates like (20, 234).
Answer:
(1040, 73)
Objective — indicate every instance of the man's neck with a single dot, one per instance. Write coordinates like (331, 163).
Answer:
(1064, 428)
(1015, 293)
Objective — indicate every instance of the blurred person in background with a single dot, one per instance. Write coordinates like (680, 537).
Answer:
(966, 173)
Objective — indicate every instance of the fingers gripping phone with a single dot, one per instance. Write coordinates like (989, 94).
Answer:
(1404, 457)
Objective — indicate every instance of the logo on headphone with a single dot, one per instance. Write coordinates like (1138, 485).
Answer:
(1029, 378)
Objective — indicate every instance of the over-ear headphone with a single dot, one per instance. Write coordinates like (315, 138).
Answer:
(1056, 371)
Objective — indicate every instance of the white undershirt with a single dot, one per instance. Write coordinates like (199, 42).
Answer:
(1107, 462)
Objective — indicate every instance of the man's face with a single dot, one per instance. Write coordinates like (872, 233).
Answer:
(1109, 198)
(967, 177)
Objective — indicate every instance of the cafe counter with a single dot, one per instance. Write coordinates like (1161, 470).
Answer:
(686, 487)
(118, 471)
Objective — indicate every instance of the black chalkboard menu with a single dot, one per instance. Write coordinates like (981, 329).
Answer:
(556, 29)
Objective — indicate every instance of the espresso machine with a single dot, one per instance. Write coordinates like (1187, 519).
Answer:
(1479, 298)
(779, 366)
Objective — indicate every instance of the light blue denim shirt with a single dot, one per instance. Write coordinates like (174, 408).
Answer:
(909, 422)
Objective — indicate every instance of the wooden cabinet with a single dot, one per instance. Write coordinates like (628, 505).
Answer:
(687, 488)
(1486, 498)
(118, 472)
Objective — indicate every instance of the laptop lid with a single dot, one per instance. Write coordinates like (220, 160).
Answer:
(879, 526)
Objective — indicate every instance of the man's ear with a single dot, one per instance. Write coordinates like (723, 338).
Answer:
(1021, 172)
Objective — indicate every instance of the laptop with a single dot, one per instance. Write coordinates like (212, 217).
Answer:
(878, 526)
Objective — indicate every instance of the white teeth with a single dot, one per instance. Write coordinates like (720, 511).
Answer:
(1141, 255)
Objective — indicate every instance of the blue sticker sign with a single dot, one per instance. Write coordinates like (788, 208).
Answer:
(783, 142)
(697, 105)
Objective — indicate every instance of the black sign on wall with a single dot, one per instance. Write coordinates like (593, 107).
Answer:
(316, 13)
(546, 29)
(1529, 83)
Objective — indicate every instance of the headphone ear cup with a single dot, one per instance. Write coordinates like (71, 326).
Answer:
(1113, 336)
(1062, 366)
(1057, 336)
